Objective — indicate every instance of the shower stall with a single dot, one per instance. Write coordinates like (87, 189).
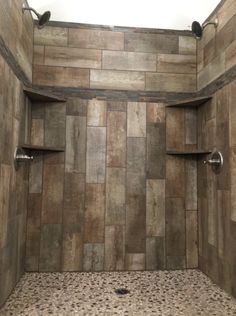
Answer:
(121, 196)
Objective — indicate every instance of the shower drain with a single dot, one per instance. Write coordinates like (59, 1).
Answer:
(121, 291)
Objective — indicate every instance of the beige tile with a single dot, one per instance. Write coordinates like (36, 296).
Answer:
(128, 61)
(72, 57)
(50, 35)
(135, 261)
(155, 112)
(97, 113)
(118, 80)
(187, 45)
(88, 38)
(175, 63)
(136, 119)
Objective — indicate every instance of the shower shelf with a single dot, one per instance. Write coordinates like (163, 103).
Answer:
(42, 148)
(188, 152)
(37, 95)
(190, 102)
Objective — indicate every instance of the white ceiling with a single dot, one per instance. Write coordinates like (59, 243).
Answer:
(167, 14)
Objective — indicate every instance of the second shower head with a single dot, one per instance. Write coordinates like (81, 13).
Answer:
(42, 18)
(197, 28)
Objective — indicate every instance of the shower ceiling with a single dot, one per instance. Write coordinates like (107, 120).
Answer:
(168, 14)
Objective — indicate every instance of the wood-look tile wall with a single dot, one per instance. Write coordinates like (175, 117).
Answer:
(114, 200)
(216, 192)
(89, 57)
(13, 185)
(16, 32)
(216, 51)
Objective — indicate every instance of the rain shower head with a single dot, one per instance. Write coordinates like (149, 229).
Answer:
(197, 29)
(42, 18)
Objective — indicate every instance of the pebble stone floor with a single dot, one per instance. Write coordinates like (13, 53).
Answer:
(164, 293)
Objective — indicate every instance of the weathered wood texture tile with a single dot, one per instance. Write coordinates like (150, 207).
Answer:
(115, 196)
(156, 150)
(191, 184)
(93, 257)
(75, 144)
(60, 76)
(116, 139)
(151, 43)
(175, 262)
(96, 154)
(116, 79)
(175, 136)
(156, 113)
(94, 213)
(76, 107)
(38, 55)
(175, 227)
(128, 61)
(74, 199)
(88, 38)
(97, 113)
(72, 57)
(53, 183)
(191, 239)
(72, 251)
(50, 248)
(35, 175)
(33, 232)
(233, 182)
(116, 106)
(187, 45)
(55, 125)
(155, 208)
(175, 63)
(170, 82)
(13, 185)
(114, 248)
(135, 203)
(37, 132)
(175, 184)
(17, 35)
(136, 119)
(55, 36)
(135, 261)
(155, 253)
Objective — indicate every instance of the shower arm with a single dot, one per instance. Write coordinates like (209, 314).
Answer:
(215, 23)
(31, 9)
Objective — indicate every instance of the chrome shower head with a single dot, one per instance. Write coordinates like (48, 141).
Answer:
(42, 18)
(197, 29)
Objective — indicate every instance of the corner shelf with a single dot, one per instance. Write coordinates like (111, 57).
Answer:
(195, 102)
(42, 148)
(188, 152)
(37, 95)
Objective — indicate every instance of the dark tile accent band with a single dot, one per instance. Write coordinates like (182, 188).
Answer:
(12, 63)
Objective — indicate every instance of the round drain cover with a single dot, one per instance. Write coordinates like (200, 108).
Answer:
(122, 291)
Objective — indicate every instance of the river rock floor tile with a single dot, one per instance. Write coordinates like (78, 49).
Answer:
(159, 293)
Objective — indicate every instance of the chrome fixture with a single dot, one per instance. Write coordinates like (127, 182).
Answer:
(197, 29)
(216, 161)
(42, 18)
(21, 156)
